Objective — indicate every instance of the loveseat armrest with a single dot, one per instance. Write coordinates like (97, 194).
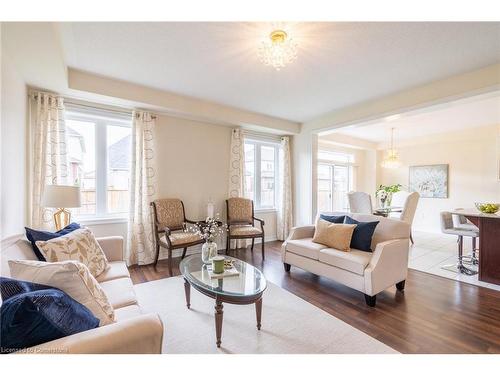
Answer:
(296, 233)
(139, 335)
(388, 265)
(112, 247)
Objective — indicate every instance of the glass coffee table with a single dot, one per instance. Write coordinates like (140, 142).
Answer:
(243, 289)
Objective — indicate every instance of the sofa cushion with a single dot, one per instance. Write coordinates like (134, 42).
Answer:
(337, 236)
(353, 261)
(73, 278)
(333, 218)
(34, 235)
(363, 233)
(305, 247)
(116, 270)
(127, 312)
(79, 245)
(39, 316)
(120, 292)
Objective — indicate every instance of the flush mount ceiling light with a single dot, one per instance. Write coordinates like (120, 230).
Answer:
(391, 159)
(279, 50)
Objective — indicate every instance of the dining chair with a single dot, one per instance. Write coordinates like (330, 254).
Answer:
(241, 222)
(360, 202)
(461, 222)
(408, 202)
(170, 228)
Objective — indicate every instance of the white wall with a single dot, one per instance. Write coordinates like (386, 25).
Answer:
(472, 156)
(13, 148)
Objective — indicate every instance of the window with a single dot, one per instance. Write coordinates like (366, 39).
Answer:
(335, 180)
(261, 173)
(99, 155)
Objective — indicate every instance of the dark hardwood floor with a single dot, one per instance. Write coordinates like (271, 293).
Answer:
(433, 315)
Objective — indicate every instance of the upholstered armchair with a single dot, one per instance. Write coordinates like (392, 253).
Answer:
(241, 222)
(170, 228)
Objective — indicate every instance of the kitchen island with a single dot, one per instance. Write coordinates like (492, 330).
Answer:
(489, 243)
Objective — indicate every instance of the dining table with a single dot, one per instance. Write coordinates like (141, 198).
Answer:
(489, 243)
(386, 211)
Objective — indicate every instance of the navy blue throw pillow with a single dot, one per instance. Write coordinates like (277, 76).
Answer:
(39, 315)
(362, 235)
(34, 235)
(333, 219)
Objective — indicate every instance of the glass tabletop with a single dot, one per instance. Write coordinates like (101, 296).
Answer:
(249, 282)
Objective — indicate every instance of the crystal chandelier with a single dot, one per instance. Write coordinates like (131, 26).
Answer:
(279, 50)
(391, 160)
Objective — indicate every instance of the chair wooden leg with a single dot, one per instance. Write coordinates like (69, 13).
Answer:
(157, 254)
(411, 239)
(253, 241)
(263, 255)
(371, 300)
(287, 267)
(401, 286)
(170, 262)
(184, 253)
(228, 244)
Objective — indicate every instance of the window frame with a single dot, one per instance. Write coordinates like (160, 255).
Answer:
(257, 188)
(101, 119)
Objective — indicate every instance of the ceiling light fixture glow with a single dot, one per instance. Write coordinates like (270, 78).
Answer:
(391, 160)
(279, 50)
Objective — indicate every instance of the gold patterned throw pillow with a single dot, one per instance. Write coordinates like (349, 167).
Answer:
(79, 245)
(73, 278)
(336, 236)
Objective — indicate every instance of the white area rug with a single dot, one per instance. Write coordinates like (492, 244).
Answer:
(289, 324)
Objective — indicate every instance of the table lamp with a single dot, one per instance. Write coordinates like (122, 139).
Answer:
(61, 197)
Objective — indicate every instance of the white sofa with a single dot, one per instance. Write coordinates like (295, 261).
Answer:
(133, 331)
(370, 273)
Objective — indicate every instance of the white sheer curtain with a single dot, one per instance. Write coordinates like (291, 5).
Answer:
(49, 159)
(143, 188)
(237, 172)
(284, 219)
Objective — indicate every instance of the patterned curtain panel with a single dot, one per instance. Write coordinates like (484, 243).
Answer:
(236, 164)
(49, 158)
(237, 172)
(285, 219)
(143, 188)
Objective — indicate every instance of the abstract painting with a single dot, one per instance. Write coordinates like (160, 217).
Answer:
(430, 181)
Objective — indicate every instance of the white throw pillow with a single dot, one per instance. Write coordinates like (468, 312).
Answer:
(73, 278)
(79, 245)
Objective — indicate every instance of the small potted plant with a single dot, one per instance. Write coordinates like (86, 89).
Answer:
(384, 193)
(209, 230)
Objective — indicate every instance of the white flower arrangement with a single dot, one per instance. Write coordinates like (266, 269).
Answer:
(210, 229)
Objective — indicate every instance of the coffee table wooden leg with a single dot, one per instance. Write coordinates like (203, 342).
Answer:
(218, 321)
(258, 311)
(187, 291)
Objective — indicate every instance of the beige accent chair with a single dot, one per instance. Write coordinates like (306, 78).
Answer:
(409, 202)
(170, 228)
(368, 272)
(133, 332)
(241, 222)
(360, 202)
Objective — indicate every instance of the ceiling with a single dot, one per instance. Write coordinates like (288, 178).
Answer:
(454, 116)
(339, 64)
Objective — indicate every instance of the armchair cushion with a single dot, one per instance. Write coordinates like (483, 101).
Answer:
(244, 230)
(240, 210)
(179, 238)
(337, 236)
(169, 212)
(305, 247)
(353, 261)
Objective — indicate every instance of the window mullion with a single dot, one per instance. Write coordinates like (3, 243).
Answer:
(101, 168)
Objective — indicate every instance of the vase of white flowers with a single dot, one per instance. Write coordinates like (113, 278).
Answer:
(209, 230)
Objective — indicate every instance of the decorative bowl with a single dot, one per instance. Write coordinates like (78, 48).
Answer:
(488, 208)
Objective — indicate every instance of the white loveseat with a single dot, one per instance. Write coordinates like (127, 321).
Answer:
(133, 331)
(368, 272)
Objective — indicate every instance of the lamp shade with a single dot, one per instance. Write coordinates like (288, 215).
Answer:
(61, 196)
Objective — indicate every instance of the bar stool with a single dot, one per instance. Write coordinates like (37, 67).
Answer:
(447, 227)
(461, 222)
